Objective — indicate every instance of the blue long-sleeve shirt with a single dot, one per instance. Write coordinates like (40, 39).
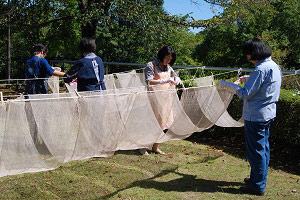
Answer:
(261, 91)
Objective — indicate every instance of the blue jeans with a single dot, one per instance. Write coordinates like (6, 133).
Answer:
(258, 152)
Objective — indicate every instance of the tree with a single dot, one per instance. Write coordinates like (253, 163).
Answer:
(125, 31)
(184, 43)
(274, 21)
(287, 25)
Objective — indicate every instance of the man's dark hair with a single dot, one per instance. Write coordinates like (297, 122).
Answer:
(165, 51)
(38, 48)
(257, 49)
(87, 45)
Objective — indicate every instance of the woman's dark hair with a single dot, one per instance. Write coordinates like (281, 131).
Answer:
(38, 48)
(87, 45)
(257, 49)
(165, 51)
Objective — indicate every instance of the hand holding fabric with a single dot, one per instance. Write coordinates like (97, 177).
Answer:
(237, 82)
(244, 78)
(231, 87)
(168, 80)
(73, 82)
(67, 78)
(177, 80)
(57, 69)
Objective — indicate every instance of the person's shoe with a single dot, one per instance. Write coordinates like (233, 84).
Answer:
(158, 151)
(247, 180)
(144, 152)
(248, 190)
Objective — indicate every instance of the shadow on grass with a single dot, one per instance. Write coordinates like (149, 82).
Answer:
(186, 183)
(232, 141)
(128, 152)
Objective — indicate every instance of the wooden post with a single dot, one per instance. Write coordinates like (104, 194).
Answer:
(1, 98)
(106, 69)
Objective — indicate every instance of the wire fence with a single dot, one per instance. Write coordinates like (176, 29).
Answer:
(188, 73)
(137, 65)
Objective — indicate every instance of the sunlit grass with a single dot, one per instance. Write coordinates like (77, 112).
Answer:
(188, 171)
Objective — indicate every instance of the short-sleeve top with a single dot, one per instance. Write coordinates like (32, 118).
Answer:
(154, 71)
(37, 67)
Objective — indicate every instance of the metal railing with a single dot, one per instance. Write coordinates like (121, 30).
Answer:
(106, 64)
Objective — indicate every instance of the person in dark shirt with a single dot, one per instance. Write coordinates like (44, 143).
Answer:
(37, 67)
(89, 70)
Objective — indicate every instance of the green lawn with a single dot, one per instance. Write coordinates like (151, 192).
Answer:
(188, 171)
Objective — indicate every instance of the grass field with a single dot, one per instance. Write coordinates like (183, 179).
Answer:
(188, 171)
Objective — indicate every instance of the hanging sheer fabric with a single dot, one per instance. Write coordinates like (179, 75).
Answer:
(3, 114)
(161, 100)
(54, 121)
(127, 80)
(142, 78)
(19, 153)
(53, 83)
(225, 119)
(196, 113)
(71, 87)
(46, 130)
(204, 81)
(109, 81)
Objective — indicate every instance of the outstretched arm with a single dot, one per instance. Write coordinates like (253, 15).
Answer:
(58, 73)
(72, 73)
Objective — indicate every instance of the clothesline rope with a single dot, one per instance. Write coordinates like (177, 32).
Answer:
(68, 126)
(96, 95)
(295, 74)
(223, 73)
(27, 79)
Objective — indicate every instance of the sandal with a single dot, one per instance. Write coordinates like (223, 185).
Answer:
(144, 152)
(158, 151)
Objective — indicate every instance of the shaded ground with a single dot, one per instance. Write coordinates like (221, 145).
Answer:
(232, 141)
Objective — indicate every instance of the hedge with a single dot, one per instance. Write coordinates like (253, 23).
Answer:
(286, 128)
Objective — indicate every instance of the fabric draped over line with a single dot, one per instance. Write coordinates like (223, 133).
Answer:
(53, 83)
(47, 130)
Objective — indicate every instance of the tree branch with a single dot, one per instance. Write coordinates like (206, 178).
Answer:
(53, 20)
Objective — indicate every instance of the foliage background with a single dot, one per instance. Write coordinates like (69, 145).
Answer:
(134, 30)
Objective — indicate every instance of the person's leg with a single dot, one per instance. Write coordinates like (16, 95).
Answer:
(256, 134)
(248, 146)
(156, 149)
(268, 124)
(144, 152)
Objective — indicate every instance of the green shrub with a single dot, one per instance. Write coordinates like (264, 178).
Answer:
(291, 83)
(286, 128)
(285, 131)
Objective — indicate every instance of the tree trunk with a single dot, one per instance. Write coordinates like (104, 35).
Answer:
(8, 44)
(89, 30)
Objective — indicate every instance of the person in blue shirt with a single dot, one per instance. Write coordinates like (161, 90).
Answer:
(89, 70)
(37, 67)
(260, 94)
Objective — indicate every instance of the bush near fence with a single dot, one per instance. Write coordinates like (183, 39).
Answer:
(286, 128)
